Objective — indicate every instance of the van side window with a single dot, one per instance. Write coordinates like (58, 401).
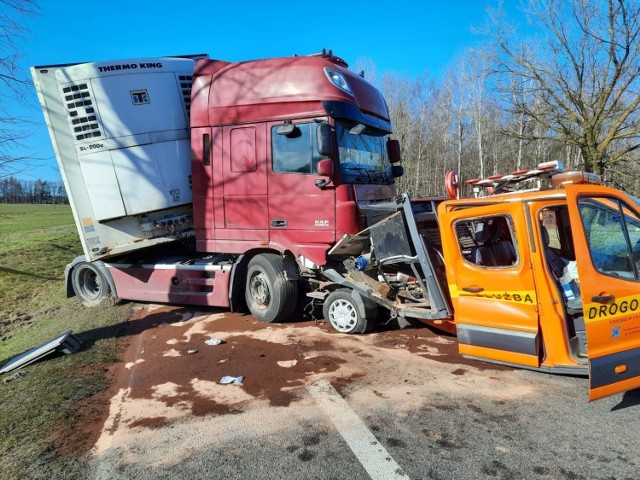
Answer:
(487, 241)
(296, 152)
(613, 235)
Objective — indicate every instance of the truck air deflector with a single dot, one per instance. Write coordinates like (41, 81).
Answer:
(348, 111)
(603, 369)
(498, 338)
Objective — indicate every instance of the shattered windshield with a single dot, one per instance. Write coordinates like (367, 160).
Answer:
(363, 157)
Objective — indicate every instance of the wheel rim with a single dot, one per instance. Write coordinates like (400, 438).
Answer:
(90, 283)
(343, 315)
(259, 290)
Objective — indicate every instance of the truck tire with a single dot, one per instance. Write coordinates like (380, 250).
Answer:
(269, 295)
(89, 284)
(345, 314)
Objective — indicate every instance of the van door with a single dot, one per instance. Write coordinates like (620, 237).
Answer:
(491, 283)
(606, 233)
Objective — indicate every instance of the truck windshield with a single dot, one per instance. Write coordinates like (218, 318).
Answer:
(363, 156)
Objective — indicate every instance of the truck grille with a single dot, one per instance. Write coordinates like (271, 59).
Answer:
(81, 110)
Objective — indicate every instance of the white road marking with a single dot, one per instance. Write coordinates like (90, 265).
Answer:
(374, 457)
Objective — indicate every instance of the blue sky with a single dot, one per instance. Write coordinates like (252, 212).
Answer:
(407, 37)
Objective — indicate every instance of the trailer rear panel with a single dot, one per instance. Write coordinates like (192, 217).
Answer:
(120, 130)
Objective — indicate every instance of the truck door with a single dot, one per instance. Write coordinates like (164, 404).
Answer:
(606, 233)
(300, 213)
(245, 183)
(491, 283)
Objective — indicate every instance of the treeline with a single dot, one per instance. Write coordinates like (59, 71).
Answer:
(565, 88)
(14, 190)
(459, 124)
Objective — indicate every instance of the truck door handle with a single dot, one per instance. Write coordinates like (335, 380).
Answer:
(473, 289)
(603, 298)
(278, 224)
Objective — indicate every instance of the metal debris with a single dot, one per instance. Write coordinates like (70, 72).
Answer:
(13, 377)
(65, 343)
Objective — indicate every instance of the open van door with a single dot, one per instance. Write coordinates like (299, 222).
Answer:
(606, 233)
(492, 287)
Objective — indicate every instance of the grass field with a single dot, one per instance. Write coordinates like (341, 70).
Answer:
(36, 242)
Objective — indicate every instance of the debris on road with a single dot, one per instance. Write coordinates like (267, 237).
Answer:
(66, 343)
(191, 351)
(227, 379)
(213, 341)
(13, 377)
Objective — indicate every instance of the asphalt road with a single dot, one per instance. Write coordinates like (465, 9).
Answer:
(319, 405)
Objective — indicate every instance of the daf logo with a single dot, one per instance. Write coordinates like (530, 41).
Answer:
(140, 97)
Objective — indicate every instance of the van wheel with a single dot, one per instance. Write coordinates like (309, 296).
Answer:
(341, 311)
(89, 284)
(269, 295)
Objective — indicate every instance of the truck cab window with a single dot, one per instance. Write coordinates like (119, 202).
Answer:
(363, 155)
(296, 152)
(487, 242)
(613, 234)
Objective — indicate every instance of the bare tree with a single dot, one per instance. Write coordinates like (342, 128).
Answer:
(13, 83)
(582, 75)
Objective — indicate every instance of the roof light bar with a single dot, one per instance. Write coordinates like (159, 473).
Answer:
(576, 177)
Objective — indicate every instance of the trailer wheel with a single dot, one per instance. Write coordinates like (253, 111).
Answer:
(269, 295)
(89, 284)
(342, 311)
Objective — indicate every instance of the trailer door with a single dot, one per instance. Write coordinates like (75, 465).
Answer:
(606, 233)
(491, 283)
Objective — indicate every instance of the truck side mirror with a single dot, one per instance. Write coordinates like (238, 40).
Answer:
(325, 167)
(393, 150)
(397, 171)
(325, 140)
(288, 129)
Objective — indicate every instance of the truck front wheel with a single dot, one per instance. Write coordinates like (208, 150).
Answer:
(344, 314)
(269, 295)
(89, 284)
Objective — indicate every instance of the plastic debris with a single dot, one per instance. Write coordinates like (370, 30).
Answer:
(213, 341)
(228, 379)
(191, 351)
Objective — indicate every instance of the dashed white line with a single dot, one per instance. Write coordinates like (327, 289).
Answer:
(372, 455)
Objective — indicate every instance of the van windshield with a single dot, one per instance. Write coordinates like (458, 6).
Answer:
(363, 157)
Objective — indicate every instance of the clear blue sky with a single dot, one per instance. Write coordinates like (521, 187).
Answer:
(408, 37)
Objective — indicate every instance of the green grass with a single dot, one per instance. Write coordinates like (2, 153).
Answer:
(36, 242)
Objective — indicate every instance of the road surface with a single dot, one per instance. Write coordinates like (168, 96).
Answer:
(315, 404)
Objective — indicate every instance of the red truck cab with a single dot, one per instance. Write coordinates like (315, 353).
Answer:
(256, 129)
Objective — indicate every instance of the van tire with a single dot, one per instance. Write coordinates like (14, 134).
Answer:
(345, 314)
